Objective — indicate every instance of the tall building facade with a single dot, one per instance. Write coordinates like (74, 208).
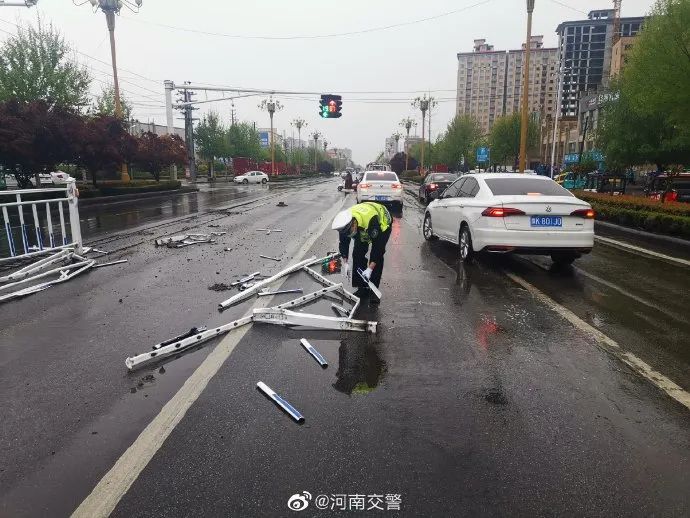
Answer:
(490, 81)
(619, 54)
(585, 48)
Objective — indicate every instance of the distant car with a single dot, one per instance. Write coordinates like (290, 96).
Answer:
(251, 177)
(60, 178)
(508, 212)
(434, 184)
(381, 186)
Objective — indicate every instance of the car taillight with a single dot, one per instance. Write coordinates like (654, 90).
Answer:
(396, 186)
(583, 213)
(433, 186)
(501, 212)
(364, 185)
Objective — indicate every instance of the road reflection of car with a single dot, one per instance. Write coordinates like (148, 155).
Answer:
(381, 186)
(434, 184)
(251, 177)
(680, 187)
(505, 212)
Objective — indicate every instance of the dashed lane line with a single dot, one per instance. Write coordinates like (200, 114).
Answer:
(113, 486)
(639, 250)
(609, 345)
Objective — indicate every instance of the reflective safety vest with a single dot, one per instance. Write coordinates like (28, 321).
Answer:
(363, 212)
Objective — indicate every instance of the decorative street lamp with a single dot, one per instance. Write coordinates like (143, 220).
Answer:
(111, 8)
(423, 104)
(316, 136)
(407, 123)
(525, 90)
(396, 136)
(271, 106)
(299, 124)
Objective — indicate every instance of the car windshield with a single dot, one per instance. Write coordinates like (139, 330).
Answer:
(524, 186)
(382, 177)
(445, 177)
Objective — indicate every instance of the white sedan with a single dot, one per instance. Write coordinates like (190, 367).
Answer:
(251, 177)
(510, 212)
(381, 186)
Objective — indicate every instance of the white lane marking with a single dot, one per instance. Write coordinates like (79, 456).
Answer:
(113, 486)
(609, 345)
(632, 248)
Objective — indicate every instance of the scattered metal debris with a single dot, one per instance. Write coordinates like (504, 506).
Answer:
(246, 279)
(73, 265)
(193, 331)
(340, 310)
(101, 265)
(228, 250)
(371, 285)
(246, 286)
(316, 354)
(280, 314)
(287, 407)
(279, 292)
(281, 204)
(218, 233)
(183, 240)
(269, 257)
(89, 250)
(268, 230)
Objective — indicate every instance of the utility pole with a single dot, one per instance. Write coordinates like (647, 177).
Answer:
(111, 8)
(169, 119)
(407, 123)
(189, 131)
(525, 90)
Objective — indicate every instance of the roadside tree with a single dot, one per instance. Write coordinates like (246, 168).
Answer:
(154, 153)
(36, 64)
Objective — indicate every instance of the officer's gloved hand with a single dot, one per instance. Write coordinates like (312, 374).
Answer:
(345, 269)
(367, 273)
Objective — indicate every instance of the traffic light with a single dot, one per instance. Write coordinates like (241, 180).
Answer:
(330, 106)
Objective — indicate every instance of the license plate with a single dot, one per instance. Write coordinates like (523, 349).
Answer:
(381, 198)
(546, 221)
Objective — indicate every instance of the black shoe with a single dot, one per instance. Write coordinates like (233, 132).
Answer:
(362, 292)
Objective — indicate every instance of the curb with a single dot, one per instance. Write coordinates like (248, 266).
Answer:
(136, 196)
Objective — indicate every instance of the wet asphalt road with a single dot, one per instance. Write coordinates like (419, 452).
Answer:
(474, 399)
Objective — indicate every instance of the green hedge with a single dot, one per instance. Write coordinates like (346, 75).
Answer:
(412, 173)
(639, 203)
(656, 222)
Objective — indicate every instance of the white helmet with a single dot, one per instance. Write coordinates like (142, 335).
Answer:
(342, 220)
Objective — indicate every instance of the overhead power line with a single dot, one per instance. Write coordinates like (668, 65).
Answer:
(312, 36)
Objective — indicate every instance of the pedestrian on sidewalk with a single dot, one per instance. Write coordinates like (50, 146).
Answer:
(367, 224)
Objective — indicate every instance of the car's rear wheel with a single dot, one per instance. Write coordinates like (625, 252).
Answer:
(427, 229)
(466, 250)
(564, 258)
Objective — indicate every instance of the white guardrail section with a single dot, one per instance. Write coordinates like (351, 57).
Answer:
(26, 240)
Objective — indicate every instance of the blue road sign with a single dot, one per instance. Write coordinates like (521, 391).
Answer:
(483, 154)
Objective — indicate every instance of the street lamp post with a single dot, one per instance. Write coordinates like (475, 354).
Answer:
(316, 136)
(423, 104)
(272, 106)
(111, 8)
(525, 90)
(407, 124)
(299, 124)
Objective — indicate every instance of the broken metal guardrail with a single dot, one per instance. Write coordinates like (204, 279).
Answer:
(65, 272)
(276, 315)
(285, 317)
(315, 354)
(41, 246)
(182, 240)
(282, 403)
(235, 299)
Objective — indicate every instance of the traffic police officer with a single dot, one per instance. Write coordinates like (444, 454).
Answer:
(367, 224)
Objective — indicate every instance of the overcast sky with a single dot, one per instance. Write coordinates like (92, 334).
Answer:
(396, 61)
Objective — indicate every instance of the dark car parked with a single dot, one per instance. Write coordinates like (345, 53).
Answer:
(434, 184)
